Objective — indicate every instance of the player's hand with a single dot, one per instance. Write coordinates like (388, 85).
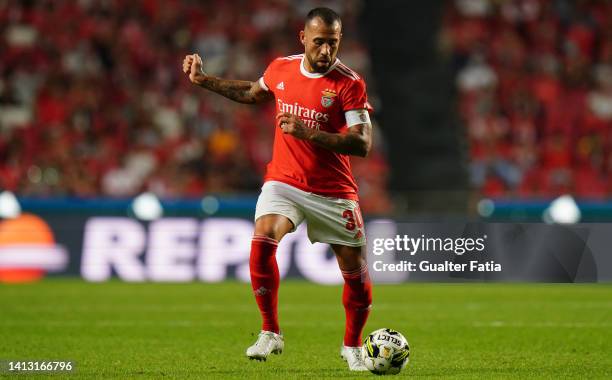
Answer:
(192, 65)
(291, 124)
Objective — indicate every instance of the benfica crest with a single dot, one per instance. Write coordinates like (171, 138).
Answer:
(328, 97)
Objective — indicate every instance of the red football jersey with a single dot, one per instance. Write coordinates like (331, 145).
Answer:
(320, 100)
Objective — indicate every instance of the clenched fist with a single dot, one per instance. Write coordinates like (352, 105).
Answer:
(192, 65)
(293, 125)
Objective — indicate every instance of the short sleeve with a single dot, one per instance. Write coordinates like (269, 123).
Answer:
(266, 78)
(355, 96)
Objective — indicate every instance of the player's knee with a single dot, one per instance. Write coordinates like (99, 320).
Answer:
(349, 258)
(272, 226)
(269, 233)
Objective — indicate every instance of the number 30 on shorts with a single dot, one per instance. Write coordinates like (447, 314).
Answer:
(353, 218)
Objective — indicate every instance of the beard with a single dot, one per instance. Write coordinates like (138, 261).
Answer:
(319, 66)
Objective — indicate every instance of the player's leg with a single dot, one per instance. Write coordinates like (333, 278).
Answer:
(356, 298)
(265, 280)
(275, 216)
(274, 226)
(269, 230)
(338, 222)
(357, 292)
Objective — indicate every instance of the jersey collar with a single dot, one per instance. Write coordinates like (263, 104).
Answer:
(317, 75)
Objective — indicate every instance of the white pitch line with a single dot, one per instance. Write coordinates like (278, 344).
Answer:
(544, 324)
(118, 323)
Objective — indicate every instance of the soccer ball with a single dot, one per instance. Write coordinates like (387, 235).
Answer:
(385, 352)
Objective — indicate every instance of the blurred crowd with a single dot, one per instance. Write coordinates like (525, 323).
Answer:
(93, 101)
(534, 80)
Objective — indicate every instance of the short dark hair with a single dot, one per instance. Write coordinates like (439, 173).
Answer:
(329, 16)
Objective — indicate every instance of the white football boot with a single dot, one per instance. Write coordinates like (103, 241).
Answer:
(267, 343)
(354, 357)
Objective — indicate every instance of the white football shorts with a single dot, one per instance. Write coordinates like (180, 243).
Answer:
(329, 220)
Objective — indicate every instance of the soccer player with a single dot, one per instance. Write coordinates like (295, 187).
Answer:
(323, 117)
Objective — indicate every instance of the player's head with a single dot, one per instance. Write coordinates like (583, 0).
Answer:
(321, 38)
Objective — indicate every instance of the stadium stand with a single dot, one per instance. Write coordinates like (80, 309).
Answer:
(534, 80)
(93, 101)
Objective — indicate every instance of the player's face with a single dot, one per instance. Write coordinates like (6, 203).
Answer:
(321, 44)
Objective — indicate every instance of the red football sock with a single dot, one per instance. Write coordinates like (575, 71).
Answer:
(357, 299)
(265, 280)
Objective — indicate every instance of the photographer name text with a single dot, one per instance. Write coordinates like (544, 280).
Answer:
(411, 246)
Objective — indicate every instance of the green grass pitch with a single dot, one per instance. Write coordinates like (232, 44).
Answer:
(200, 331)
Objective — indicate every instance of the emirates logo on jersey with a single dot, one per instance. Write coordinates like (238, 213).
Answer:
(311, 117)
(328, 97)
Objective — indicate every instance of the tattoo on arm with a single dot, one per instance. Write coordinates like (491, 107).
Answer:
(356, 141)
(237, 90)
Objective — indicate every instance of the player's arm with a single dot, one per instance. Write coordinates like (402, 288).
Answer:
(240, 91)
(356, 141)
